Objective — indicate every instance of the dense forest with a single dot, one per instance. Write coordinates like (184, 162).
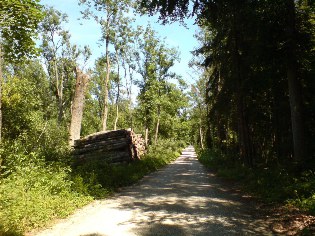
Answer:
(256, 61)
(251, 112)
(255, 94)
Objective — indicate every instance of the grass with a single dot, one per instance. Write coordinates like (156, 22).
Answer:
(271, 184)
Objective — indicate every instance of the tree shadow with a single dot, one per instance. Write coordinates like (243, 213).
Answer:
(93, 234)
(181, 199)
(159, 229)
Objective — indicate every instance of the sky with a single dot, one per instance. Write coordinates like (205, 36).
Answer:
(84, 32)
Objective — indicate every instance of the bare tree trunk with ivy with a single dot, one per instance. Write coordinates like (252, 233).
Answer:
(1, 80)
(78, 105)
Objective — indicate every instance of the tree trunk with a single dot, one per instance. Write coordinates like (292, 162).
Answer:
(105, 115)
(157, 125)
(245, 145)
(77, 106)
(243, 133)
(146, 138)
(60, 102)
(201, 136)
(295, 96)
(59, 91)
(200, 127)
(1, 80)
(118, 92)
(117, 110)
(130, 99)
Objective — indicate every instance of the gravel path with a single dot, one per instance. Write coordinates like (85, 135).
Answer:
(181, 199)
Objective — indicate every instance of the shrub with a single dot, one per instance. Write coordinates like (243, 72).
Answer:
(271, 184)
(34, 193)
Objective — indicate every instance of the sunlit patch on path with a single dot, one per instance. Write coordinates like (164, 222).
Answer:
(181, 199)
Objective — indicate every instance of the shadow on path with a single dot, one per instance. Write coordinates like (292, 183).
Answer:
(185, 199)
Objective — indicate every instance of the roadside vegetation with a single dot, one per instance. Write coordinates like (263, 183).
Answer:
(273, 184)
(33, 191)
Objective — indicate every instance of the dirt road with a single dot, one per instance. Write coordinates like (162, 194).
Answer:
(181, 199)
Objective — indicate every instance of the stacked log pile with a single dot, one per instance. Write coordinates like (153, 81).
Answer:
(112, 146)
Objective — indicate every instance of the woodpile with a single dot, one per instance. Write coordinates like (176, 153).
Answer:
(111, 146)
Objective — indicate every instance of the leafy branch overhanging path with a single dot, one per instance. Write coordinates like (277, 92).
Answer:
(181, 199)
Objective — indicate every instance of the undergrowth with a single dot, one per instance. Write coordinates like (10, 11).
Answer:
(34, 193)
(34, 190)
(271, 184)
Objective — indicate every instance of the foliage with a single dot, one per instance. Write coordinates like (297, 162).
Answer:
(34, 177)
(27, 114)
(111, 16)
(169, 10)
(60, 57)
(32, 193)
(160, 101)
(18, 23)
(271, 184)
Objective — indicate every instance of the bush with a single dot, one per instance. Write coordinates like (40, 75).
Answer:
(270, 184)
(33, 193)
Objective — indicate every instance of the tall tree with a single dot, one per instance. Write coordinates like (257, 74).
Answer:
(18, 23)
(60, 59)
(166, 59)
(154, 63)
(107, 14)
(123, 37)
(295, 94)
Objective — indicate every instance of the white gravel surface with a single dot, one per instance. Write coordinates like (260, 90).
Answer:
(181, 199)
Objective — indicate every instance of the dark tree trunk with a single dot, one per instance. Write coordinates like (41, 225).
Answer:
(295, 96)
(245, 142)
